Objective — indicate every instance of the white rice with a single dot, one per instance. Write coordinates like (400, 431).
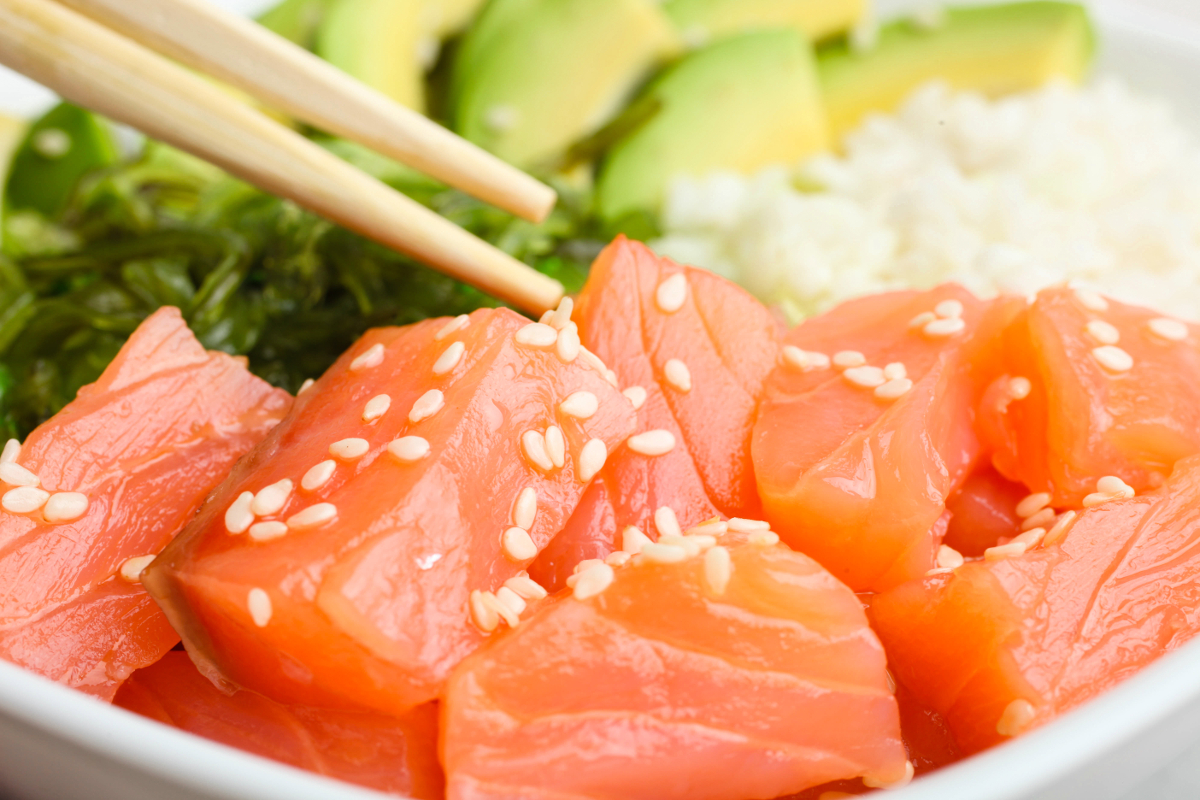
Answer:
(1094, 185)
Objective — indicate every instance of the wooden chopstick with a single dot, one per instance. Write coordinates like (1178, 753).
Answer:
(94, 67)
(290, 79)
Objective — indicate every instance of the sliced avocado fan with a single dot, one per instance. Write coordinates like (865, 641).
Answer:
(534, 76)
(700, 21)
(740, 104)
(995, 49)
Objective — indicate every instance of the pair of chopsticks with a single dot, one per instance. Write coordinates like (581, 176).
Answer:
(114, 57)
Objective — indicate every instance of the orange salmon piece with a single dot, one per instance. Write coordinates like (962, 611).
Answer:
(867, 428)
(754, 679)
(1113, 389)
(390, 754)
(999, 647)
(699, 348)
(396, 483)
(983, 511)
(125, 466)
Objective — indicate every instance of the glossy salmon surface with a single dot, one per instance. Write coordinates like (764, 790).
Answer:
(390, 754)
(392, 493)
(122, 469)
(698, 349)
(1001, 646)
(740, 670)
(867, 427)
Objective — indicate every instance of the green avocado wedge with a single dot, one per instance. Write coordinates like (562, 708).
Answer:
(534, 76)
(996, 50)
(705, 20)
(740, 104)
(58, 150)
(296, 20)
(379, 42)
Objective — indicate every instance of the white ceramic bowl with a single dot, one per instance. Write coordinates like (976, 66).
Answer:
(1134, 743)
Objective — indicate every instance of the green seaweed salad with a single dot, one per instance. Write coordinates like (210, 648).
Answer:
(91, 242)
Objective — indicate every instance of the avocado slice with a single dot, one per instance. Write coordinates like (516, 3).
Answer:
(994, 49)
(739, 104)
(448, 17)
(58, 150)
(380, 42)
(296, 20)
(534, 76)
(704, 20)
(12, 131)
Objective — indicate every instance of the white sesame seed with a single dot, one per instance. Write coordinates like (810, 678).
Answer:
(618, 558)
(1113, 359)
(1002, 551)
(408, 449)
(504, 612)
(511, 600)
(873, 782)
(591, 459)
(482, 614)
(1102, 332)
(266, 531)
(718, 569)
(376, 407)
(948, 309)
(524, 510)
(1165, 328)
(1031, 538)
(763, 538)
(562, 315)
(636, 396)
(567, 346)
(518, 545)
(714, 527)
(633, 540)
(1032, 504)
(12, 451)
(131, 570)
(372, 357)
(304, 387)
(449, 358)
(271, 499)
(611, 377)
(594, 580)
(349, 449)
(1111, 484)
(533, 444)
(239, 517)
(651, 443)
(546, 316)
(894, 389)
(1059, 529)
(848, 359)
(1041, 519)
(949, 557)
(688, 543)
(14, 474)
(65, 506)
(556, 446)
(580, 405)
(456, 324)
(657, 553)
(312, 516)
(427, 405)
(666, 523)
(1019, 388)
(943, 327)
(525, 587)
(671, 294)
(1098, 498)
(24, 499)
(865, 377)
(258, 603)
(318, 475)
(702, 540)
(895, 371)
(804, 360)
(1016, 717)
(537, 334)
(1091, 301)
(586, 564)
(922, 319)
(739, 525)
(593, 360)
(677, 375)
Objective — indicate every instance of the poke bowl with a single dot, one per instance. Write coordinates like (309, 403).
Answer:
(289, 515)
